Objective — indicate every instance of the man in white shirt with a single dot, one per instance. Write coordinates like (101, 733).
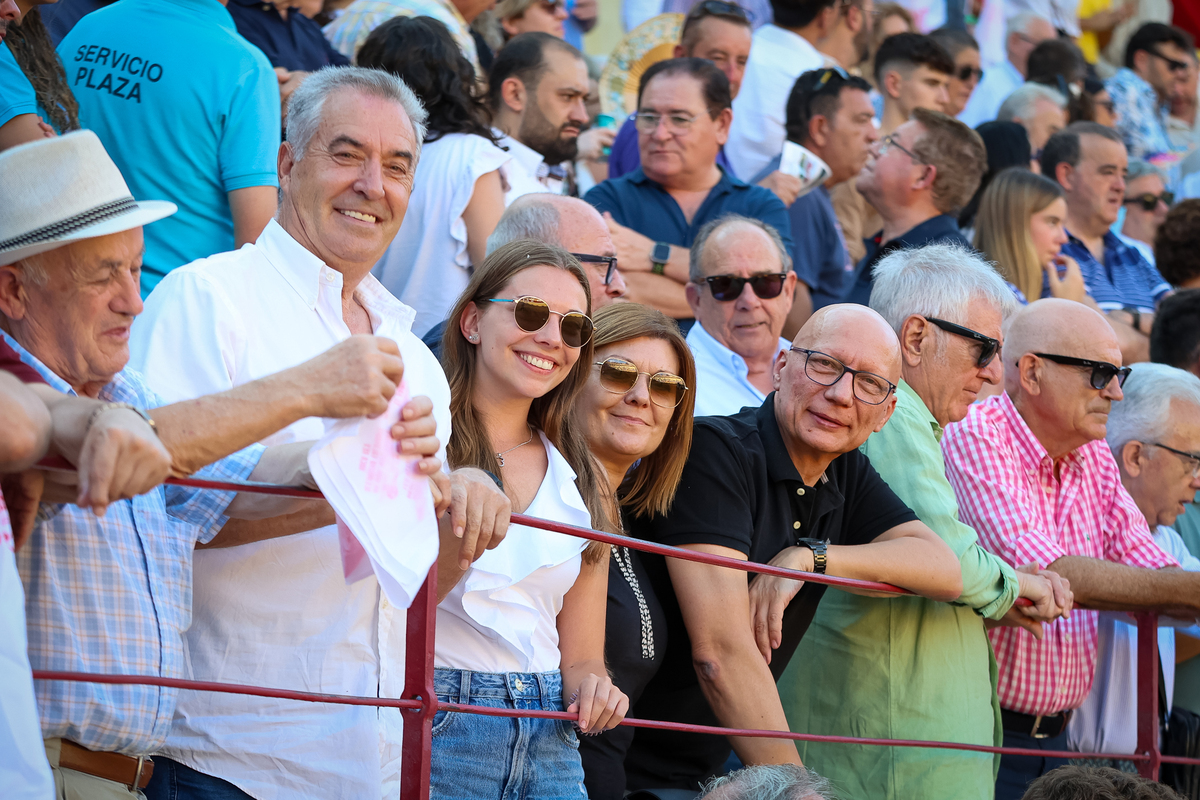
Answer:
(1023, 32)
(740, 290)
(1040, 110)
(536, 89)
(282, 614)
(1154, 434)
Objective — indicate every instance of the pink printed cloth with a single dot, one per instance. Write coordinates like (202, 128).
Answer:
(1009, 492)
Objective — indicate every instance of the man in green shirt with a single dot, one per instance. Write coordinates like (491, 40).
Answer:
(907, 667)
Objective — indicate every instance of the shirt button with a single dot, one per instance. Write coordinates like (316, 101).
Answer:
(796, 524)
(800, 491)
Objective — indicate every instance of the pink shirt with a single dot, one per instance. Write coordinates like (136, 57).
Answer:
(1008, 492)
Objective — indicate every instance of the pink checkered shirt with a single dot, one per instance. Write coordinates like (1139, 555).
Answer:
(1008, 492)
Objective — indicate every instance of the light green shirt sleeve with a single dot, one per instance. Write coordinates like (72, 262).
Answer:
(907, 454)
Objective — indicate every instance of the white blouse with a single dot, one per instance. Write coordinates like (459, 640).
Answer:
(503, 615)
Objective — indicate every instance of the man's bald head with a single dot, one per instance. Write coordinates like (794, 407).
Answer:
(1062, 327)
(849, 322)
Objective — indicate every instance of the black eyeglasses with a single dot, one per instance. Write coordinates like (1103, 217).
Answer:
(1102, 371)
(611, 261)
(1194, 458)
(826, 370)
(729, 287)
(718, 8)
(1149, 201)
(532, 314)
(988, 347)
(966, 71)
(619, 375)
(1108, 105)
(890, 141)
(1173, 65)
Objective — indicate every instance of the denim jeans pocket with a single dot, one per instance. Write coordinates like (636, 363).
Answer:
(566, 732)
(442, 719)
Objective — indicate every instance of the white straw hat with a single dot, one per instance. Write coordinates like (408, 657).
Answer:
(59, 190)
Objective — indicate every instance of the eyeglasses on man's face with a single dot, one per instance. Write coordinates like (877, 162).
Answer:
(676, 124)
(1174, 65)
(825, 370)
(988, 347)
(610, 263)
(726, 288)
(889, 141)
(1192, 459)
(1102, 371)
(1149, 201)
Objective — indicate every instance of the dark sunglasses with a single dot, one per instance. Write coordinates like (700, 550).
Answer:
(611, 261)
(718, 8)
(988, 347)
(1172, 64)
(619, 376)
(532, 314)
(966, 71)
(1102, 371)
(729, 287)
(1149, 201)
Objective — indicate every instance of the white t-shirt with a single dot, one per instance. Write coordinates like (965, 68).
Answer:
(427, 265)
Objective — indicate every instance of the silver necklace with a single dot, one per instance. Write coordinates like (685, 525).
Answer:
(625, 562)
(500, 456)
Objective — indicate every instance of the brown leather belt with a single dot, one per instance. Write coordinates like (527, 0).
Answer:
(125, 770)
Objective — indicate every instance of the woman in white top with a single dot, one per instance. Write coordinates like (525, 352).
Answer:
(458, 194)
(523, 627)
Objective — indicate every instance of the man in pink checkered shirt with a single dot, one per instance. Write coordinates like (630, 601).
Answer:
(1036, 480)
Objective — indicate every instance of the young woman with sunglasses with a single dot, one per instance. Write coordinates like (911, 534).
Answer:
(523, 626)
(637, 411)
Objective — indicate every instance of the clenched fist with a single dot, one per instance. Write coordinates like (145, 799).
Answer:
(355, 378)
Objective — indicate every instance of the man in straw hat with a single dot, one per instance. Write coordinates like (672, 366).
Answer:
(111, 593)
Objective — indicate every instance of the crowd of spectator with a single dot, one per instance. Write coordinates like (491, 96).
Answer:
(840, 291)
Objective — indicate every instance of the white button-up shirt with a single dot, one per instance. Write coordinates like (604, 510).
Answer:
(527, 172)
(997, 84)
(279, 613)
(777, 58)
(722, 378)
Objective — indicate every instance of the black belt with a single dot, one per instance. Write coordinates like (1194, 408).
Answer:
(1040, 726)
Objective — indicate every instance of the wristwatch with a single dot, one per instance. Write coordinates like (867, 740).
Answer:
(659, 257)
(141, 412)
(820, 551)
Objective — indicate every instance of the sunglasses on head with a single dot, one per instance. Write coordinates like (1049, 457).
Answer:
(1102, 371)
(619, 375)
(988, 347)
(1149, 201)
(532, 314)
(718, 8)
(965, 72)
(729, 287)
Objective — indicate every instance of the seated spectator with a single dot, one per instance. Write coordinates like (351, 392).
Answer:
(1059, 64)
(1102, 109)
(1176, 243)
(521, 628)
(1020, 228)
(1175, 338)
(290, 40)
(199, 127)
(523, 16)
(457, 192)
(350, 28)
(640, 434)
(740, 290)
(536, 90)
(890, 19)
(1007, 145)
(786, 484)
(847, 42)
(125, 606)
(1183, 126)
(918, 178)
(1155, 68)
(683, 119)
(1088, 160)
(829, 113)
(225, 321)
(1146, 204)
(963, 48)
(937, 681)
(1040, 110)
(1035, 480)
(33, 83)
(1154, 434)
(1096, 783)
(1023, 32)
(769, 782)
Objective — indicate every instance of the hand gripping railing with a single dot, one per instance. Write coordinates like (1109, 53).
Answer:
(421, 704)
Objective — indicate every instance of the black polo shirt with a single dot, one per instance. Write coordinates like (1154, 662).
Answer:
(740, 489)
(942, 229)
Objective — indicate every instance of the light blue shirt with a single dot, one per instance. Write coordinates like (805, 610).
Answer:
(998, 83)
(188, 110)
(16, 93)
(722, 383)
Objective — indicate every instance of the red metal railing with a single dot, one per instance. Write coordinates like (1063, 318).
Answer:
(420, 703)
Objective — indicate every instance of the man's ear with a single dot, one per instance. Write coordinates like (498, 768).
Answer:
(1029, 374)
(914, 333)
(13, 302)
(890, 406)
(891, 83)
(1064, 173)
(678, 52)
(723, 121)
(820, 130)
(692, 292)
(777, 369)
(512, 92)
(927, 179)
(1131, 458)
(284, 163)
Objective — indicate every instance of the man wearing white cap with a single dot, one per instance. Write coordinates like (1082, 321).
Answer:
(111, 593)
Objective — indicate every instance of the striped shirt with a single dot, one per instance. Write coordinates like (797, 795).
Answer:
(1125, 279)
(1009, 493)
(113, 594)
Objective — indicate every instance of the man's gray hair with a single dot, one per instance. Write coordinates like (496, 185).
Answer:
(304, 109)
(1020, 23)
(1022, 103)
(1145, 413)
(938, 280)
(529, 217)
(696, 259)
(1140, 169)
(769, 782)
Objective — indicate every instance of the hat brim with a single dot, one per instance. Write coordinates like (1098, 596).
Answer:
(145, 212)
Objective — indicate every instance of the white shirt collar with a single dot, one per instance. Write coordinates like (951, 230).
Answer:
(700, 339)
(526, 156)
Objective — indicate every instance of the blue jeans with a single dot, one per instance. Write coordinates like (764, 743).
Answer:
(174, 781)
(1017, 772)
(500, 758)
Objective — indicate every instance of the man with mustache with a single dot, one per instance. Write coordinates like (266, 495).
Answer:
(1036, 480)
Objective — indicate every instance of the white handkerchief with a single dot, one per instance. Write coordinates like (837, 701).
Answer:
(804, 164)
(384, 507)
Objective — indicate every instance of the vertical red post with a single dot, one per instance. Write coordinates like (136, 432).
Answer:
(1147, 694)
(418, 684)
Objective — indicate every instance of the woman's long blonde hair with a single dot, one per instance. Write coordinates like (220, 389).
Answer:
(470, 445)
(1002, 225)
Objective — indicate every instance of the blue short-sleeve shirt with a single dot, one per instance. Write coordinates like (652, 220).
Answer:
(1125, 279)
(188, 110)
(16, 93)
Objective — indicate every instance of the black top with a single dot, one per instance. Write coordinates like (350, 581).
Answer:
(942, 229)
(294, 44)
(741, 490)
(603, 755)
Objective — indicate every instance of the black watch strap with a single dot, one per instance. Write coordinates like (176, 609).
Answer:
(820, 552)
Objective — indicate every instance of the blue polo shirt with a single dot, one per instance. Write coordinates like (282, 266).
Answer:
(1125, 279)
(16, 92)
(295, 43)
(942, 229)
(188, 110)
